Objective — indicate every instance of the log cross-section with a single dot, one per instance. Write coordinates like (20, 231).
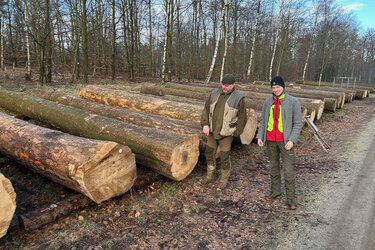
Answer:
(7, 204)
(98, 169)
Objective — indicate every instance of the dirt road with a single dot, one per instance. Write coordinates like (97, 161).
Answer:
(342, 213)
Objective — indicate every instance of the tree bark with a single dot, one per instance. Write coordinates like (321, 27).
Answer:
(7, 204)
(255, 31)
(122, 114)
(141, 102)
(171, 108)
(98, 169)
(51, 212)
(217, 45)
(255, 99)
(170, 154)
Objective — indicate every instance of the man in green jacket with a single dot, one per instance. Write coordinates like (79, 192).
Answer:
(280, 126)
(223, 117)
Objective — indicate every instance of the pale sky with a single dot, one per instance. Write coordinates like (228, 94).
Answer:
(364, 10)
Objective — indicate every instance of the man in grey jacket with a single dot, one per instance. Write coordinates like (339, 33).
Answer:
(280, 126)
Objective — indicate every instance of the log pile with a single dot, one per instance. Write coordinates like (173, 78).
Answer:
(7, 204)
(170, 154)
(253, 99)
(98, 169)
(155, 105)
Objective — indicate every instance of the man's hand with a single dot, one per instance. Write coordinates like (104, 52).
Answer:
(206, 130)
(289, 145)
(260, 143)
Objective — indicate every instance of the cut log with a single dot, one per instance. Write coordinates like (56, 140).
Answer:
(122, 114)
(158, 105)
(253, 100)
(171, 154)
(141, 102)
(98, 169)
(330, 104)
(49, 213)
(7, 204)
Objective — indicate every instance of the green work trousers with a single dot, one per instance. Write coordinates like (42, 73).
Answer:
(275, 150)
(211, 148)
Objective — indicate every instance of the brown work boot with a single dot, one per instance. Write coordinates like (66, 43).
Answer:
(210, 174)
(225, 173)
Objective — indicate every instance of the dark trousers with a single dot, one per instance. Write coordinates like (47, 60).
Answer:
(225, 146)
(275, 150)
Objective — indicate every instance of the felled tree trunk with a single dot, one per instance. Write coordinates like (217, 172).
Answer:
(253, 99)
(7, 204)
(98, 169)
(141, 102)
(159, 105)
(170, 154)
(51, 212)
(122, 114)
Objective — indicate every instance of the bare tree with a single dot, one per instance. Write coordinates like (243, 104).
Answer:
(316, 14)
(226, 28)
(276, 38)
(217, 43)
(255, 32)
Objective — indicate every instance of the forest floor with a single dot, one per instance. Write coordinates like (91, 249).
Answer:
(189, 214)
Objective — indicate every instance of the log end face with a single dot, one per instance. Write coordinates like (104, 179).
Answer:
(110, 173)
(7, 204)
(250, 128)
(184, 158)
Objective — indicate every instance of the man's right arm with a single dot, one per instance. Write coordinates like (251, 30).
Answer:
(204, 117)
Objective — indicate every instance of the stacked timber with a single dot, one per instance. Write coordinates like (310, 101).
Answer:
(361, 91)
(253, 99)
(349, 93)
(98, 169)
(7, 204)
(251, 103)
(155, 105)
(122, 114)
(171, 154)
(126, 115)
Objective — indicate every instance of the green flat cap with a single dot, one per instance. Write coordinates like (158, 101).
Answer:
(228, 79)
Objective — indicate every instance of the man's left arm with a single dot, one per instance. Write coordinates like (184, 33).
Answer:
(296, 122)
(242, 118)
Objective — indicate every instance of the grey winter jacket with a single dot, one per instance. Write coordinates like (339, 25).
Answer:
(291, 117)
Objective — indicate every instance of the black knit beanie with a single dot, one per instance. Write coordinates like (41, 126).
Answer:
(277, 80)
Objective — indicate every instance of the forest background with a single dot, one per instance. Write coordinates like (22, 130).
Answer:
(185, 40)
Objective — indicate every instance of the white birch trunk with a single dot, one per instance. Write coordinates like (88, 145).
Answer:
(27, 43)
(229, 2)
(165, 41)
(216, 46)
(276, 38)
(311, 44)
(1, 42)
(253, 41)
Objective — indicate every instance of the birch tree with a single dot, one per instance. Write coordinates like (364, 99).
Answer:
(317, 8)
(217, 43)
(226, 29)
(276, 38)
(255, 33)
(168, 10)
